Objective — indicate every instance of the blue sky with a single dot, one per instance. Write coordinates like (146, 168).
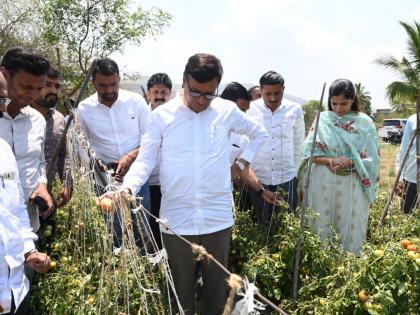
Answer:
(308, 41)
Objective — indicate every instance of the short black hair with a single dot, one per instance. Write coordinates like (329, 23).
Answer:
(105, 66)
(18, 58)
(345, 88)
(204, 68)
(234, 91)
(53, 73)
(271, 78)
(159, 78)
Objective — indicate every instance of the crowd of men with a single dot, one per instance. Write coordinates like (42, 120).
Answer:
(183, 153)
(183, 156)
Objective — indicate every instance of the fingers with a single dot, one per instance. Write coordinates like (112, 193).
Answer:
(40, 262)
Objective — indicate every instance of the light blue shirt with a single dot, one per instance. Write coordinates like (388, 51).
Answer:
(410, 169)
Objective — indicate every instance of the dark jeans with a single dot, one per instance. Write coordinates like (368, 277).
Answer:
(184, 270)
(155, 198)
(264, 211)
(22, 310)
(245, 202)
(139, 220)
(410, 197)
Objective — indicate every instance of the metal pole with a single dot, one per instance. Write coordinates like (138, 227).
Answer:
(391, 196)
(305, 202)
(53, 161)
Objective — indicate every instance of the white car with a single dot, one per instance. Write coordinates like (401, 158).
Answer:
(392, 130)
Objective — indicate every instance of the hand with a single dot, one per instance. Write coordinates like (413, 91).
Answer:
(40, 262)
(235, 172)
(270, 197)
(341, 162)
(123, 166)
(123, 195)
(64, 196)
(42, 192)
(400, 188)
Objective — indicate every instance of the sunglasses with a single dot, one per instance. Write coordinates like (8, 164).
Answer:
(196, 94)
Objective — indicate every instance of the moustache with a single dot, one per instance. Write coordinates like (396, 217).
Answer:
(109, 96)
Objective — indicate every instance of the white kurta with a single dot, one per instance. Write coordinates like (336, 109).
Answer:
(16, 237)
(340, 205)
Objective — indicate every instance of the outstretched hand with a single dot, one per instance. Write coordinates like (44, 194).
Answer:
(40, 262)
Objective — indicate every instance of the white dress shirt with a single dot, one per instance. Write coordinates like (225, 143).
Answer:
(114, 131)
(16, 237)
(26, 136)
(277, 161)
(194, 163)
(409, 172)
(238, 142)
(154, 176)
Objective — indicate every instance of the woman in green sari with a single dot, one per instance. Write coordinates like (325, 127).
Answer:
(345, 170)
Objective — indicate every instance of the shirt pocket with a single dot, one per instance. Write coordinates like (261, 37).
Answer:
(218, 139)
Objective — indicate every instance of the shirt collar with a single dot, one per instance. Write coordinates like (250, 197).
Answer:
(24, 112)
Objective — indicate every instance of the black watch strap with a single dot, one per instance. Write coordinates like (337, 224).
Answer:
(262, 189)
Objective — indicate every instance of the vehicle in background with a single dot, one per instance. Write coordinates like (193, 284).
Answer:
(392, 130)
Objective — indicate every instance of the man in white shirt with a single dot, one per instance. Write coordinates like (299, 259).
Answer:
(16, 236)
(277, 162)
(159, 87)
(238, 94)
(407, 186)
(23, 128)
(114, 121)
(191, 132)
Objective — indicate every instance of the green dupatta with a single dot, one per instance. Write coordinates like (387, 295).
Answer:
(353, 136)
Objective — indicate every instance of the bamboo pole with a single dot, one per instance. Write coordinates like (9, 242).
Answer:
(305, 202)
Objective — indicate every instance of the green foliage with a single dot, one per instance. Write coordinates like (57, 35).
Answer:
(364, 98)
(21, 25)
(408, 68)
(90, 29)
(330, 279)
(310, 109)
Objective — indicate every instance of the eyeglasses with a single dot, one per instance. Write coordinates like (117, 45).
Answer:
(196, 94)
(5, 101)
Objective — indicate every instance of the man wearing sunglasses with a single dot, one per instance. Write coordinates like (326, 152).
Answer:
(191, 132)
(23, 127)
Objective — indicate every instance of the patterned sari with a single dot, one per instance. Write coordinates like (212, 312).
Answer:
(341, 199)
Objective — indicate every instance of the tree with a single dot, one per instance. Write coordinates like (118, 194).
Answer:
(20, 25)
(89, 29)
(364, 98)
(402, 106)
(408, 68)
(310, 110)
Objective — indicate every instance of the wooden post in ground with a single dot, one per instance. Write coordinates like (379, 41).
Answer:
(305, 202)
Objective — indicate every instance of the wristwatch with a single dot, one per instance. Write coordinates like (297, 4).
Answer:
(240, 165)
(262, 189)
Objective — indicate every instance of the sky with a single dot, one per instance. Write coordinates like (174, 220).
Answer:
(308, 42)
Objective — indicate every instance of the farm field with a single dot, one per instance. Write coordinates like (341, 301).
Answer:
(88, 279)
